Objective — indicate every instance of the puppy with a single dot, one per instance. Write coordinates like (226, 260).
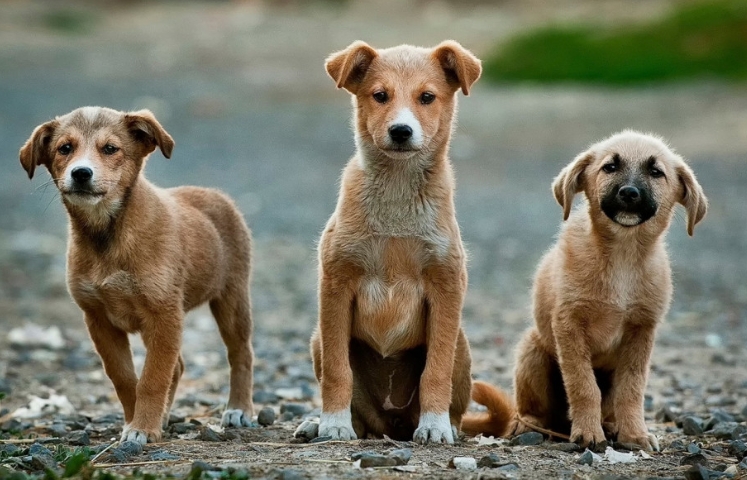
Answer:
(139, 257)
(599, 295)
(389, 350)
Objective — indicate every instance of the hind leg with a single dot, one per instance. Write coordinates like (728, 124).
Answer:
(461, 383)
(533, 384)
(232, 312)
(178, 371)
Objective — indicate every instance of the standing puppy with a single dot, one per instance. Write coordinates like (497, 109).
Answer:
(599, 294)
(389, 350)
(139, 257)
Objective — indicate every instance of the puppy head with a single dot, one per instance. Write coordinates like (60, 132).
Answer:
(95, 154)
(632, 179)
(404, 97)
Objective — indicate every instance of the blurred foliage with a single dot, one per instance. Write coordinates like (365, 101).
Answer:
(695, 40)
(68, 20)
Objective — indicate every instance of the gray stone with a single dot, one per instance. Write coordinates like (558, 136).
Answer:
(676, 445)
(266, 416)
(566, 447)
(648, 403)
(207, 434)
(182, 428)
(358, 455)
(288, 474)
(376, 460)
(297, 409)
(4, 386)
(692, 425)
(586, 458)
(718, 416)
(402, 455)
(41, 457)
(162, 455)
(738, 449)
(694, 459)
(491, 460)
(79, 438)
(728, 431)
(508, 467)
(263, 396)
(200, 466)
(308, 430)
(9, 449)
(325, 438)
(287, 416)
(57, 429)
(664, 415)
(528, 438)
(176, 419)
(692, 448)
(131, 448)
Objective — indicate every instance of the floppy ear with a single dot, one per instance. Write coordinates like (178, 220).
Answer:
(348, 67)
(693, 198)
(462, 69)
(36, 149)
(570, 181)
(145, 129)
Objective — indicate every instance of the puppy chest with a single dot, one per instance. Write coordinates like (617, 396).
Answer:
(117, 295)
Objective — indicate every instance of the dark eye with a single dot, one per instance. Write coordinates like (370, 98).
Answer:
(427, 98)
(656, 173)
(381, 97)
(609, 167)
(65, 149)
(110, 149)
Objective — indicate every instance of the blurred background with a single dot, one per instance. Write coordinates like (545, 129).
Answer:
(241, 87)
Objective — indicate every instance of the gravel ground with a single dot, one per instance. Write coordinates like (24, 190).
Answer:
(244, 94)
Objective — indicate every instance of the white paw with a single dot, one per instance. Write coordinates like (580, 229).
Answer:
(236, 418)
(434, 428)
(309, 429)
(130, 434)
(654, 442)
(338, 425)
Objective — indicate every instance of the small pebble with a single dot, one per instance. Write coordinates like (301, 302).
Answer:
(664, 415)
(728, 430)
(207, 434)
(79, 438)
(676, 445)
(402, 455)
(376, 460)
(176, 419)
(131, 448)
(738, 448)
(325, 438)
(694, 459)
(203, 467)
(263, 396)
(586, 458)
(297, 409)
(648, 403)
(528, 438)
(508, 467)
(41, 457)
(266, 416)
(182, 428)
(308, 430)
(692, 425)
(162, 455)
(287, 416)
(289, 474)
(693, 448)
(566, 447)
(491, 460)
(463, 463)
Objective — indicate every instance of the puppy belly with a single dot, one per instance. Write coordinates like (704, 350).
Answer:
(386, 390)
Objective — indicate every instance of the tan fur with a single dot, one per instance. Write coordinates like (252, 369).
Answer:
(392, 274)
(139, 257)
(599, 294)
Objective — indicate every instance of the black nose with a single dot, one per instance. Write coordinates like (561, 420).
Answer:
(400, 133)
(81, 174)
(629, 194)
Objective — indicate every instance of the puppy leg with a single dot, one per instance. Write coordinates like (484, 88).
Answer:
(535, 399)
(462, 387)
(444, 296)
(113, 346)
(232, 312)
(630, 380)
(335, 303)
(584, 396)
(162, 338)
(178, 371)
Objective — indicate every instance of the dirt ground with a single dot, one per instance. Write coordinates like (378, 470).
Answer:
(241, 87)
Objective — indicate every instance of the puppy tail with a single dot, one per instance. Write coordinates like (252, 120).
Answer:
(497, 421)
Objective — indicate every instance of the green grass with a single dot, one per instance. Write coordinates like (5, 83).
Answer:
(702, 40)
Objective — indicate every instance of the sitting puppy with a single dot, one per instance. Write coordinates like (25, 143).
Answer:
(389, 351)
(599, 294)
(139, 257)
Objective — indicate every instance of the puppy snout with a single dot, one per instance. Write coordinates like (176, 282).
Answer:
(81, 174)
(629, 194)
(400, 133)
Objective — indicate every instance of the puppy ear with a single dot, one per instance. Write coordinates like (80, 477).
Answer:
(36, 149)
(348, 67)
(692, 198)
(570, 181)
(462, 69)
(145, 129)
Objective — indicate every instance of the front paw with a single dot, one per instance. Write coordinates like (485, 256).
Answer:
(434, 428)
(644, 440)
(236, 417)
(588, 434)
(141, 436)
(337, 425)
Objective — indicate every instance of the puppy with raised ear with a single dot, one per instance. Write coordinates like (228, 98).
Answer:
(389, 350)
(139, 257)
(599, 295)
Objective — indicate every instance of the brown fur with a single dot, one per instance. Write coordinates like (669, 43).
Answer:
(599, 294)
(389, 345)
(139, 257)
